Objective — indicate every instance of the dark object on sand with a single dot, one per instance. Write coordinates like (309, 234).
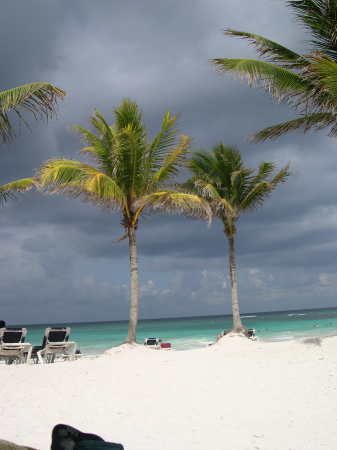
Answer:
(65, 437)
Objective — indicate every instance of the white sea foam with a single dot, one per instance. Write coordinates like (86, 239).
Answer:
(245, 317)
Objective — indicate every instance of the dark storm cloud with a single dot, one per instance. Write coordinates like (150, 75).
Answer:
(58, 255)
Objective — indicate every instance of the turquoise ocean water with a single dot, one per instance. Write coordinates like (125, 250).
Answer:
(186, 333)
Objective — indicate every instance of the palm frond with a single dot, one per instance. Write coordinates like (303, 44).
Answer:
(174, 203)
(281, 177)
(131, 151)
(222, 205)
(74, 179)
(319, 18)
(165, 139)
(207, 189)
(255, 198)
(271, 50)
(128, 115)
(241, 181)
(172, 164)
(280, 83)
(201, 163)
(261, 190)
(318, 121)
(38, 99)
(7, 191)
(101, 141)
(265, 171)
(323, 72)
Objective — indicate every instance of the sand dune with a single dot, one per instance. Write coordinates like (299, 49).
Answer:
(236, 394)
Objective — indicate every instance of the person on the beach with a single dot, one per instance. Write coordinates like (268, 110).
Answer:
(160, 342)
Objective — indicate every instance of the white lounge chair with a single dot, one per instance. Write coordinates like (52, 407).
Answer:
(13, 347)
(55, 342)
(47, 355)
(152, 343)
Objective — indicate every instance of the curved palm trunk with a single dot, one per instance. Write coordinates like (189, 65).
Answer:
(132, 331)
(237, 324)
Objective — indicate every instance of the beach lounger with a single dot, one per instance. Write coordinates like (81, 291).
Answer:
(13, 346)
(166, 346)
(152, 343)
(55, 342)
(251, 335)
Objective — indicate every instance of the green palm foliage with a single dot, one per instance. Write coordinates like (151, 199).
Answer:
(38, 99)
(130, 174)
(7, 190)
(306, 82)
(219, 176)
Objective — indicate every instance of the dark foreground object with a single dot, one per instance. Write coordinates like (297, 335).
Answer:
(65, 437)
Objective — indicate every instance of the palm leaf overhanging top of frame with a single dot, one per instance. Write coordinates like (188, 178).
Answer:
(38, 99)
(308, 83)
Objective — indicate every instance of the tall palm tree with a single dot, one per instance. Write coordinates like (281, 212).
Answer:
(38, 99)
(219, 176)
(130, 174)
(307, 82)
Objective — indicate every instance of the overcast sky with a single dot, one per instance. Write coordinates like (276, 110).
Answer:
(57, 259)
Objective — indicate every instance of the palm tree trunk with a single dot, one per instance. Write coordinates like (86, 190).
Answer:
(132, 331)
(237, 324)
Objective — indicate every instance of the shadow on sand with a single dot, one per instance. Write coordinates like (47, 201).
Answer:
(313, 341)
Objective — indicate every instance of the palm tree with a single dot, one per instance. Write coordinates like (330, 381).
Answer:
(38, 99)
(130, 175)
(219, 176)
(308, 82)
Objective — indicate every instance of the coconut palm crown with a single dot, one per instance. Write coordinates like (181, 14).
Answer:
(306, 82)
(130, 174)
(219, 176)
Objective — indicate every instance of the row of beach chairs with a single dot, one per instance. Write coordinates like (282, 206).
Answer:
(13, 348)
(157, 344)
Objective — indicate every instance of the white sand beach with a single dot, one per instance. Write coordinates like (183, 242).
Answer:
(236, 394)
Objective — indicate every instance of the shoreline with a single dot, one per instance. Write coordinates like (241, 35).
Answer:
(261, 340)
(235, 394)
(93, 338)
